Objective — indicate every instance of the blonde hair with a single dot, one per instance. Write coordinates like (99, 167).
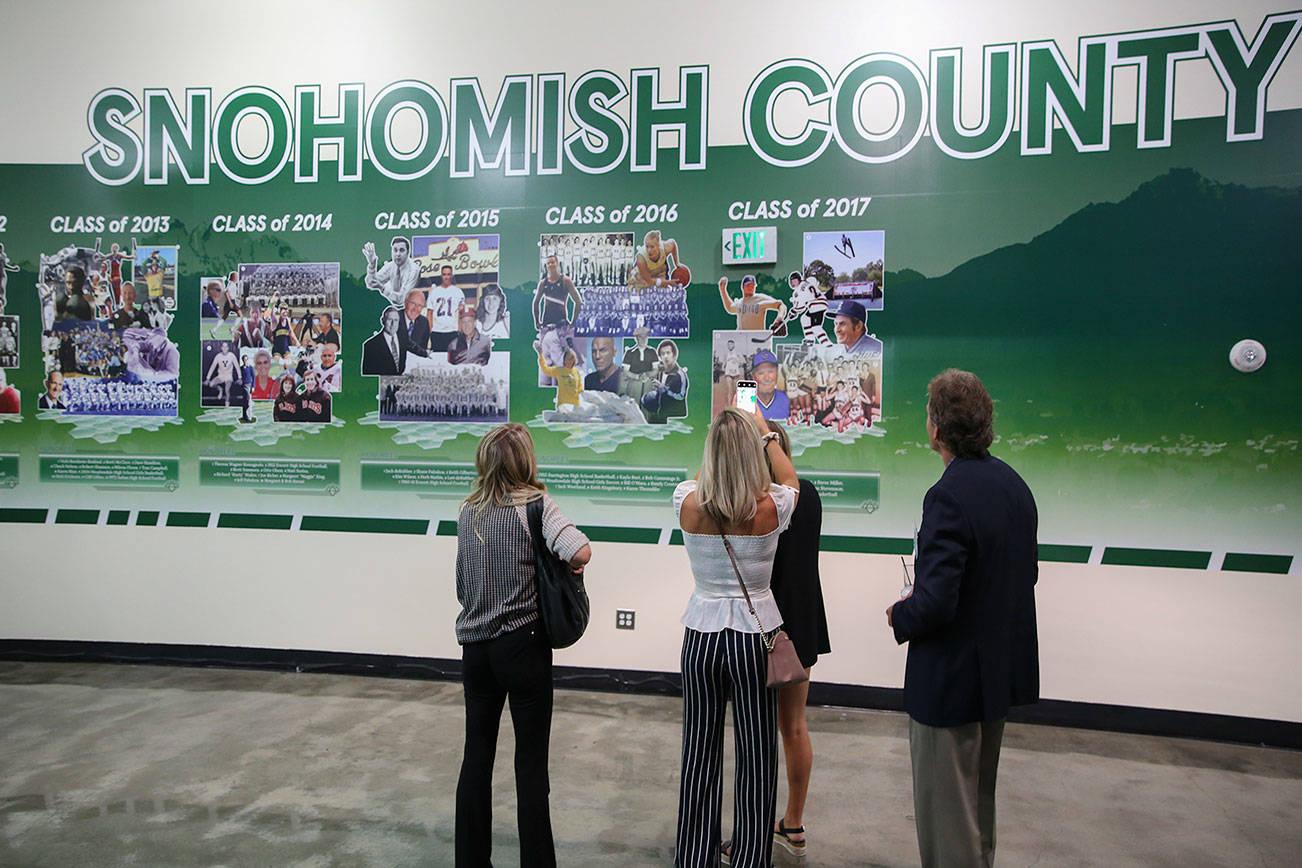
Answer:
(734, 474)
(507, 470)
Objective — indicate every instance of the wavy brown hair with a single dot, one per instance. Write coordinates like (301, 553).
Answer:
(961, 409)
(783, 440)
(507, 470)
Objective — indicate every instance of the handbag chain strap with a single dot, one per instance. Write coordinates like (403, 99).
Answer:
(764, 637)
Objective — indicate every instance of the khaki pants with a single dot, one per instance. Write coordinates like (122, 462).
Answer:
(954, 771)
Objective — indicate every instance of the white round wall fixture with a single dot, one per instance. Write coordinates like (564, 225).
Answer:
(1247, 355)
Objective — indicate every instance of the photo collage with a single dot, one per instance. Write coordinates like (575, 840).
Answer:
(271, 341)
(781, 347)
(439, 349)
(105, 317)
(600, 302)
(609, 314)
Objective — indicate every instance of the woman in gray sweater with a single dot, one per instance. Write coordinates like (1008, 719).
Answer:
(505, 653)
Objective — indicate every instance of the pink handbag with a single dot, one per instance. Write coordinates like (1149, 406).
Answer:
(784, 664)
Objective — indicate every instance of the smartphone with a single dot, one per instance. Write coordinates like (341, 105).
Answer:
(746, 395)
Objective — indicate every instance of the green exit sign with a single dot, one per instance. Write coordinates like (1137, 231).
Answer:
(749, 245)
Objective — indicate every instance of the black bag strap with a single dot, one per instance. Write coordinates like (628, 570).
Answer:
(534, 512)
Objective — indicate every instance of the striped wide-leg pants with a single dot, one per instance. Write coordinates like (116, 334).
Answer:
(715, 667)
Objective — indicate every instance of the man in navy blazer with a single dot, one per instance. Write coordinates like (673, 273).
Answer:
(414, 327)
(385, 353)
(970, 625)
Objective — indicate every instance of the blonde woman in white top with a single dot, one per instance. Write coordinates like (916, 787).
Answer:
(723, 648)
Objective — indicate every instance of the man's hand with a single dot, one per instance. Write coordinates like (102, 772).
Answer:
(779, 327)
(889, 609)
(368, 250)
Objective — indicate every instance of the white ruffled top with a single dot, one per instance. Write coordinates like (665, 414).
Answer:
(717, 602)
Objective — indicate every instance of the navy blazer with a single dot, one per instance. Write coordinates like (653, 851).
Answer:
(376, 358)
(970, 622)
(418, 337)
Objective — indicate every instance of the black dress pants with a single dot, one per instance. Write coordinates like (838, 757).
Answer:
(515, 666)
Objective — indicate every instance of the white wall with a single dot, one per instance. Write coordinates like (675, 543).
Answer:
(1201, 641)
(1212, 642)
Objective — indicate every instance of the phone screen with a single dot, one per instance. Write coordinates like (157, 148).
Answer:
(746, 395)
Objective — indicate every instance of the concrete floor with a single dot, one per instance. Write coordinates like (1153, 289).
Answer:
(118, 765)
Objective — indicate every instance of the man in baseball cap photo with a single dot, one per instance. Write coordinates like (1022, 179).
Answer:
(752, 309)
(772, 400)
(852, 329)
(470, 346)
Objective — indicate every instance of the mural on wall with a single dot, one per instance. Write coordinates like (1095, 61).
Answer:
(1071, 262)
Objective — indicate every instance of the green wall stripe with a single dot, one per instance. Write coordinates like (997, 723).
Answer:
(76, 516)
(187, 519)
(1127, 557)
(23, 516)
(1049, 552)
(1248, 563)
(605, 533)
(876, 545)
(255, 521)
(365, 525)
(1065, 554)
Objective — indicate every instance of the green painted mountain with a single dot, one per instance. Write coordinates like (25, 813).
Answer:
(1122, 316)
(1180, 253)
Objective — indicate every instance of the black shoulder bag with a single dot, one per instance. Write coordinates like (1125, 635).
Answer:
(562, 600)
